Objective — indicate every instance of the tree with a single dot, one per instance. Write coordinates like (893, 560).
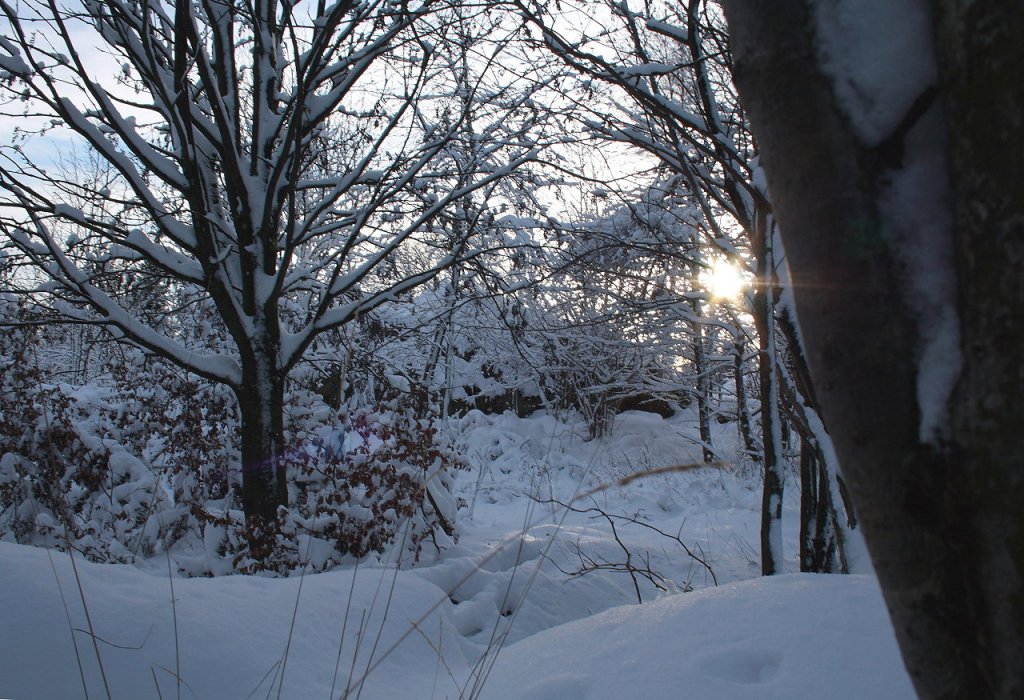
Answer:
(671, 69)
(890, 133)
(214, 120)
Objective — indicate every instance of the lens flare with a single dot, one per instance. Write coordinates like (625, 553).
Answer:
(724, 280)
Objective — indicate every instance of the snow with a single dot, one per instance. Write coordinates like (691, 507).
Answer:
(13, 64)
(793, 636)
(69, 212)
(670, 30)
(879, 56)
(514, 584)
(877, 77)
(916, 204)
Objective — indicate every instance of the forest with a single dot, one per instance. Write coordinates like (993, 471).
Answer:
(494, 301)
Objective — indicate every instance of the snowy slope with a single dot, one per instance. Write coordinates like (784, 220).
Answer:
(785, 637)
(793, 636)
(512, 610)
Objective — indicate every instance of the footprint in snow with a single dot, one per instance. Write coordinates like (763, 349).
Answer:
(746, 666)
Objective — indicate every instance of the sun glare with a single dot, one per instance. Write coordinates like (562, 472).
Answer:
(724, 280)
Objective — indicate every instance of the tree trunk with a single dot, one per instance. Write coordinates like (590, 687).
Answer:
(819, 546)
(982, 57)
(808, 507)
(772, 556)
(700, 364)
(827, 550)
(742, 411)
(264, 479)
(940, 500)
(822, 531)
(829, 532)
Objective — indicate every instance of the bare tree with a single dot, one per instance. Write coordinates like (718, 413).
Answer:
(670, 65)
(900, 191)
(214, 118)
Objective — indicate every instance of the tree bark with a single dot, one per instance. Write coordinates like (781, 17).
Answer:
(264, 478)
(982, 60)
(808, 507)
(700, 365)
(943, 518)
(763, 312)
(820, 551)
(772, 557)
(742, 411)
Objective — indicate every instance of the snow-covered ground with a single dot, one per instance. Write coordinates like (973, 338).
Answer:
(532, 602)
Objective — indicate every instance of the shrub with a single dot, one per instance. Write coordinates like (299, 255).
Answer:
(377, 479)
(147, 458)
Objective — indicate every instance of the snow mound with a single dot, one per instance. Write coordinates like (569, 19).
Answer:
(796, 636)
(793, 636)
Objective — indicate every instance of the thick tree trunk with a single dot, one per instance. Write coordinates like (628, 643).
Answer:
(982, 57)
(943, 513)
(264, 480)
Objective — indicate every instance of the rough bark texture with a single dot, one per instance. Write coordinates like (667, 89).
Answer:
(982, 57)
(945, 526)
(264, 481)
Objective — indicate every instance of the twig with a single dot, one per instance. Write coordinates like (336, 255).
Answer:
(657, 471)
(291, 629)
(181, 680)
(610, 516)
(266, 675)
(436, 648)
(88, 618)
(159, 695)
(174, 617)
(67, 613)
(355, 655)
(344, 625)
(131, 647)
(387, 608)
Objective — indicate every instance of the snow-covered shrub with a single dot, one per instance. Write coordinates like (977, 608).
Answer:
(181, 424)
(146, 456)
(64, 480)
(383, 477)
(111, 467)
(377, 479)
